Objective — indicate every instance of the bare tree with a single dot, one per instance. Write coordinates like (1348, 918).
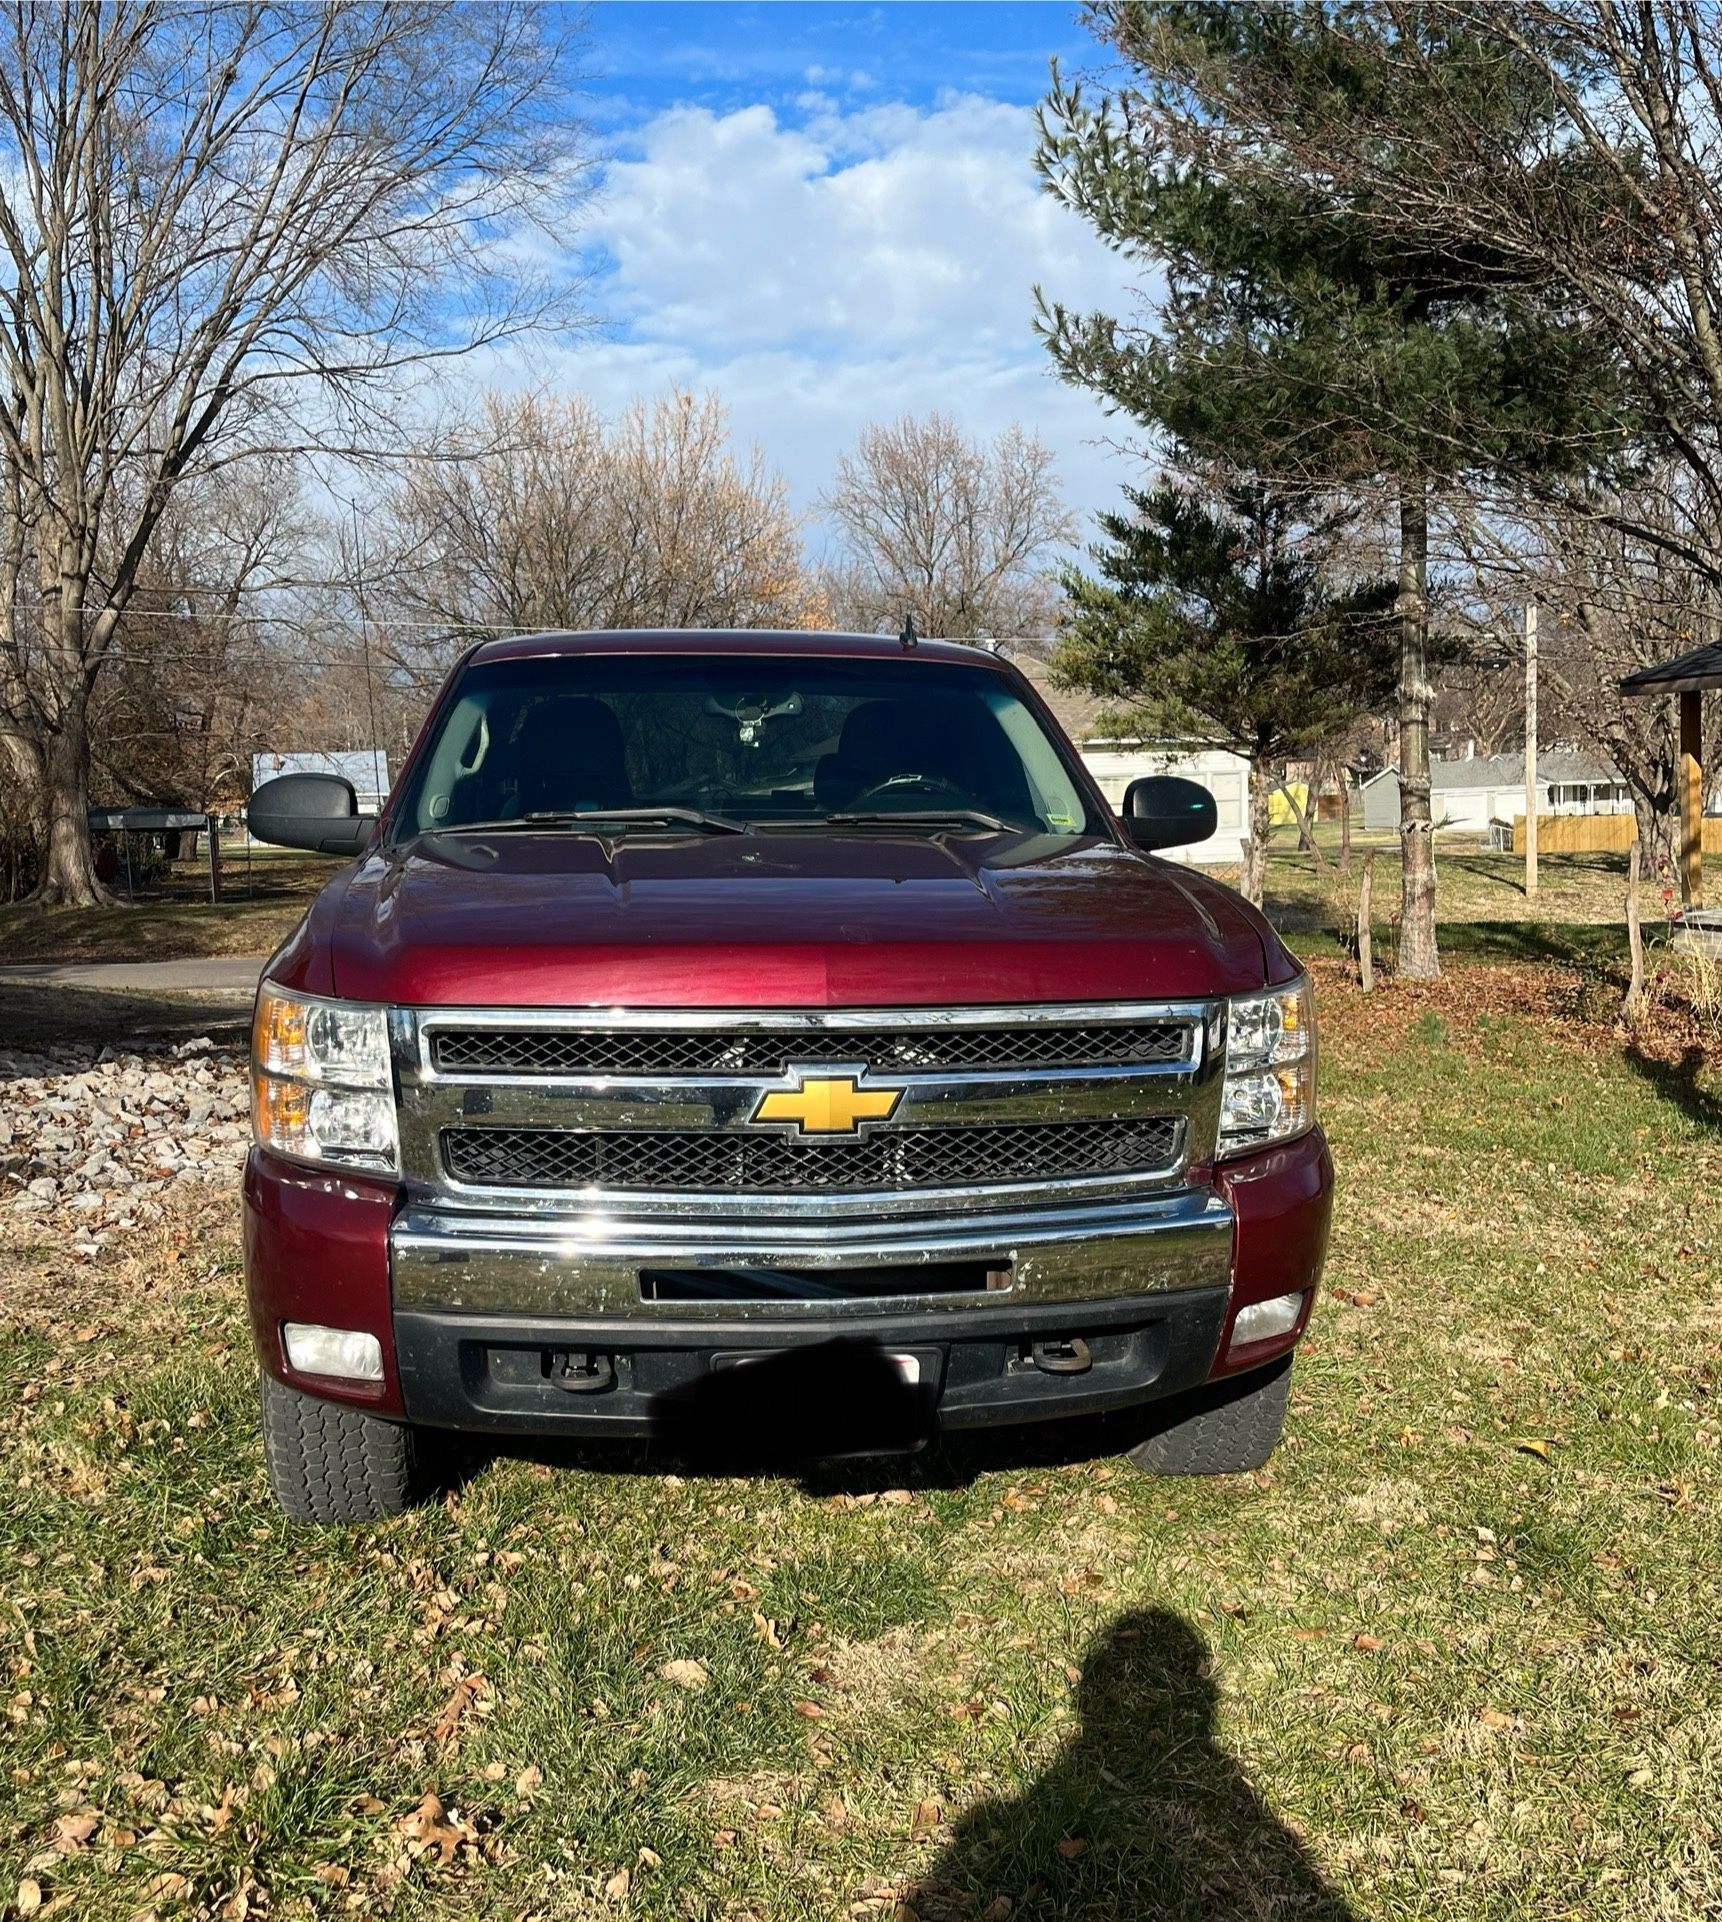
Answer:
(540, 513)
(951, 532)
(194, 680)
(224, 228)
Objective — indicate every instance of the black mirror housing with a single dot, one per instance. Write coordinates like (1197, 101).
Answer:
(1166, 811)
(316, 812)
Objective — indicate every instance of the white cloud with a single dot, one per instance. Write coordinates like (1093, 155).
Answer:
(862, 264)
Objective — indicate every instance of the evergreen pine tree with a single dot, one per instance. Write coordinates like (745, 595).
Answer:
(1213, 615)
(1298, 335)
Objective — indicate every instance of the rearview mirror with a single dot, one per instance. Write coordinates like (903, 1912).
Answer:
(1166, 811)
(317, 812)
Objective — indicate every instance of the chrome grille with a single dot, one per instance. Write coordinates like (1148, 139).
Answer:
(573, 1052)
(891, 1158)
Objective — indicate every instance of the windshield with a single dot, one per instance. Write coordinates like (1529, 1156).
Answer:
(791, 741)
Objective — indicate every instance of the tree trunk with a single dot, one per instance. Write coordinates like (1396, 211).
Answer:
(1256, 847)
(68, 865)
(1365, 933)
(1305, 818)
(1418, 959)
(1344, 774)
(1655, 835)
(1632, 1003)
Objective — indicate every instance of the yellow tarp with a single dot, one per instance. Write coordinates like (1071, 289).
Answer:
(1280, 812)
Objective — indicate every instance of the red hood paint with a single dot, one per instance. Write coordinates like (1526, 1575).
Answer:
(773, 920)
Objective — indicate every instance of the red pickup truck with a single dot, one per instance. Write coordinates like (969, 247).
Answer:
(767, 1037)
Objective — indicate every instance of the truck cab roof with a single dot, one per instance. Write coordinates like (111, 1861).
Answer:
(732, 640)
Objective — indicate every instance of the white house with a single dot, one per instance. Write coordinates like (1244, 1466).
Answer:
(1116, 762)
(366, 768)
(1471, 793)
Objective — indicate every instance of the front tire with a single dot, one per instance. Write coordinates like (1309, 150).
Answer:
(332, 1464)
(1224, 1428)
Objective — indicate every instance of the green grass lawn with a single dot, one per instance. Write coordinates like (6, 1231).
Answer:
(1454, 1655)
(174, 917)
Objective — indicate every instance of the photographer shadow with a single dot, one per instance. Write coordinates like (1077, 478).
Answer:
(1143, 1818)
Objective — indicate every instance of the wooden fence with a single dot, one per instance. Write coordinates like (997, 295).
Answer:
(1596, 833)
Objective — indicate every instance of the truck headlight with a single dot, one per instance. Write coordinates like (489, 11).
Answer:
(322, 1088)
(1269, 1090)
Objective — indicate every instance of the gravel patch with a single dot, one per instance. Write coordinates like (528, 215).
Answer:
(102, 1140)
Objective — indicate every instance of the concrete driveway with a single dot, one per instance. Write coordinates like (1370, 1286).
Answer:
(223, 975)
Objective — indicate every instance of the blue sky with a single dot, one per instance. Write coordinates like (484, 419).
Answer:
(828, 215)
(647, 57)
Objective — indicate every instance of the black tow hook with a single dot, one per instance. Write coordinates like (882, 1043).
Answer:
(1066, 1355)
(579, 1372)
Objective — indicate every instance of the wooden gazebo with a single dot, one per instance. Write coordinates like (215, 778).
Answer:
(1691, 676)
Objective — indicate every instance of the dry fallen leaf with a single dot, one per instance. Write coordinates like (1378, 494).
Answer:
(1370, 1644)
(928, 1815)
(811, 1711)
(428, 1827)
(529, 1780)
(1533, 1445)
(1071, 1847)
(616, 1889)
(1493, 1718)
(73, 1831)
(466, 1691)
(685, 1674)
(29, 1897)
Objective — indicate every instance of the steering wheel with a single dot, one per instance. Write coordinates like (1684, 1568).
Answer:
(935, 784)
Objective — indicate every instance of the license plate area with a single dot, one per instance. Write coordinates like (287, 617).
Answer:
(909, 1368)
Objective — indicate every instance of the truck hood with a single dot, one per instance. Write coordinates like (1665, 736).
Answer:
(785, 920)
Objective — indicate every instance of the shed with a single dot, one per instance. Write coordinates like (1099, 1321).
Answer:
(1115, 760)
(1690, 677)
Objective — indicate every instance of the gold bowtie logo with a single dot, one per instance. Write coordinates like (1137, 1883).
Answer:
(834, 1107)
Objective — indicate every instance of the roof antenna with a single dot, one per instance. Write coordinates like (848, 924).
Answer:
(908, 637)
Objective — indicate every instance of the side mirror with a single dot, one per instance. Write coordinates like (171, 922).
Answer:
(318, 812)
(1166, 811)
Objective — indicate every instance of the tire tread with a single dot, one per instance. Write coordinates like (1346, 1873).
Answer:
(1226, 1428)
(331, 1464)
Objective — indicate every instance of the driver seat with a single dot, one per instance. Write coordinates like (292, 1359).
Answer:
(882, 740)
(570, 756)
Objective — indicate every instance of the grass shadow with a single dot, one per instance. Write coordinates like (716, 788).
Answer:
(1143, 1818)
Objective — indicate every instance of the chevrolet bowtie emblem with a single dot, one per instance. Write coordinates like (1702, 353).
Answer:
(837, 1106)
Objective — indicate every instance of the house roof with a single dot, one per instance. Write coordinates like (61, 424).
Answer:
(1686, 674)
(366, 768)
(1555, 765)
(1077, 713)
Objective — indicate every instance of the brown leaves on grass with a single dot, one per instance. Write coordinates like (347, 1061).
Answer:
(437, 1833)
(467, 1692)
(686, 1674)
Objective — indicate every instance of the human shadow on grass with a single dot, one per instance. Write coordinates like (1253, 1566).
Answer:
(1143, 1818)
(1679, 1083)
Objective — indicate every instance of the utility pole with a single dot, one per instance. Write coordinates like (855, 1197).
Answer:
(1530, 749)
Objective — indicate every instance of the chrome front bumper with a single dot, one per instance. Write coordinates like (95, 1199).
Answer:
(589, 1266)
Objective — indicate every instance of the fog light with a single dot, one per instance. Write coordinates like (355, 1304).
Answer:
(1263, 1320)
(346, 1352)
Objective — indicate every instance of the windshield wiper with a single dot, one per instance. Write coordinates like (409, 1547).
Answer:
(930, 818)
(596, 819)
